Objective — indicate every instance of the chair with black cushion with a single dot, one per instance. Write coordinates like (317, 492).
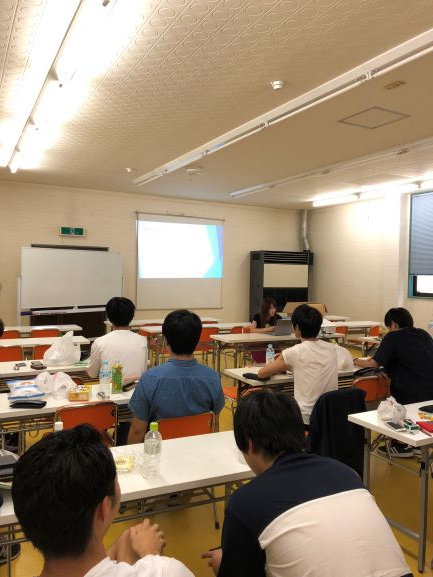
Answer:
(331, 434)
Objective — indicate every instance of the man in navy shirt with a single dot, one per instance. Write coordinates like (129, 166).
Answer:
(302, 514)
(181, 386)
(406, 353)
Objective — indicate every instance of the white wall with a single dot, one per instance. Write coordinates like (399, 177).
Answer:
(32, 213)
(361, 259)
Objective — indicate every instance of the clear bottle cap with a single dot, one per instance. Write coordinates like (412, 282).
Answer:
(153, 426)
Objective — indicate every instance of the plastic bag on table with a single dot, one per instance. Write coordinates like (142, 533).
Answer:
(390, 410)
(24, 390)
(45, 382)
(62, 384)
(63, 351)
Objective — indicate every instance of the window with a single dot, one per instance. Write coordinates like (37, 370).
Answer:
(421, 246)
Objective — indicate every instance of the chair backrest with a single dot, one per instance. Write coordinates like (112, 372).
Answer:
(246, 330)
(11, 353)
(187, 426)
(331, 434)
(376, 387)
(36, 333)
(39, 350)
(341, 330)
(374, 331)
(11, 334)
(205, 342)
(236, 330)
(102, 415)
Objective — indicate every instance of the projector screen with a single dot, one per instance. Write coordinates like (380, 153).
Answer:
(179, 262)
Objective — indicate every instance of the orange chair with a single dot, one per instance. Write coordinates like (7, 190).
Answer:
(187, 426)
(36, 333)
(11, 334)
(39, 350)
(376, 389)
(11, 353)
(205, 345)
(102, 415)
(229, 351)
(374, 331)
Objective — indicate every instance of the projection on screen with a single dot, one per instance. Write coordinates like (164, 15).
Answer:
(183, 250)
(180, 262)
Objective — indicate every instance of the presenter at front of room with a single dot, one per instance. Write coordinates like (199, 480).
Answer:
(265, 320)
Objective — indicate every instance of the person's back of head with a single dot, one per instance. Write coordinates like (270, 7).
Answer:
(182, 329)
(308, 320)
(120, 311)
(2, 327)
(58, 484)
(271, 421)
(400, 316)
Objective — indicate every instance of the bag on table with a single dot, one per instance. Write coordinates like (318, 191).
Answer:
(24, 390)
(390, 410)
(63, 351)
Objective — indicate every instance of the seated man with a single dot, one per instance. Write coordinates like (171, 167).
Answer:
(181, 386)
(121, 344)
(303, 514)
(406, 353)
(66, 494)
(313, 362)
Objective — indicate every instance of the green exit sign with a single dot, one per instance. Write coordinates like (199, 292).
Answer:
(72, 231)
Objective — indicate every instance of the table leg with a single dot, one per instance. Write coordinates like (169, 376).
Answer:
(367, 448)
(218, 354)
(423, 506)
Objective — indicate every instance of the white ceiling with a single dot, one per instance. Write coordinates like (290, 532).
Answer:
(192, 70)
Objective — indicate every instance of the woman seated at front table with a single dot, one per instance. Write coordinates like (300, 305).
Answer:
(266, 319)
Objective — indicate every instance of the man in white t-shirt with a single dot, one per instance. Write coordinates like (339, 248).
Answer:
(313, 362)
(121, 344)
(66, 495)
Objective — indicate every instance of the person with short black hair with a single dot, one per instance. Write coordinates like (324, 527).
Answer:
(302, 514)
(179, 387)
(266, 319)
(406, 353)
(313, 362)
(121, 344)
(65, 494)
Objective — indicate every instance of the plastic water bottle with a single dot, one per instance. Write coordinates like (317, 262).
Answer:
(270, 354)
(105, 379)
(152, 452)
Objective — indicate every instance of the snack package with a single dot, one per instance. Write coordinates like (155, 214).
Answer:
(24, 390)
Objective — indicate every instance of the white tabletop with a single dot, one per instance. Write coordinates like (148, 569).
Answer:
(276, 379)
(25, 330)
(358, 324)
(364, 339)
(33, 341)
(157, 329)
(52, 405)
(186, 463)
(139, 323)
(334, 318)
(246, 338)
(7, 369)
(370, 420)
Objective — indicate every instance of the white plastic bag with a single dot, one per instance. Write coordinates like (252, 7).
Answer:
(24, 390)
(63, 351)
(344, 359)
(390, 410)
(61, 384)
(45, 382)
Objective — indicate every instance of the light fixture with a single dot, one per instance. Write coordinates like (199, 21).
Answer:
(75, 42)
(397, 56)
(343, 199)
(154, 176)
(277, 84)
(250, 190)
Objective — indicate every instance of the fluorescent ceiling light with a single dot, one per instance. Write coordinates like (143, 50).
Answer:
(344, 199)
(181, 163)
(250, 190)
(15, 163)
(140, 182)
(397, 56)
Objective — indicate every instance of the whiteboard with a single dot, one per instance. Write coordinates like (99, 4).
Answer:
(55, 277)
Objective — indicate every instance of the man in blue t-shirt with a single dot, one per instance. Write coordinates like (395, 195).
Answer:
(181, 386)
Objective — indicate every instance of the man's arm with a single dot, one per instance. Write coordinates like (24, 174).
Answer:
(366, 362)
(137, 431)
(277, 366)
